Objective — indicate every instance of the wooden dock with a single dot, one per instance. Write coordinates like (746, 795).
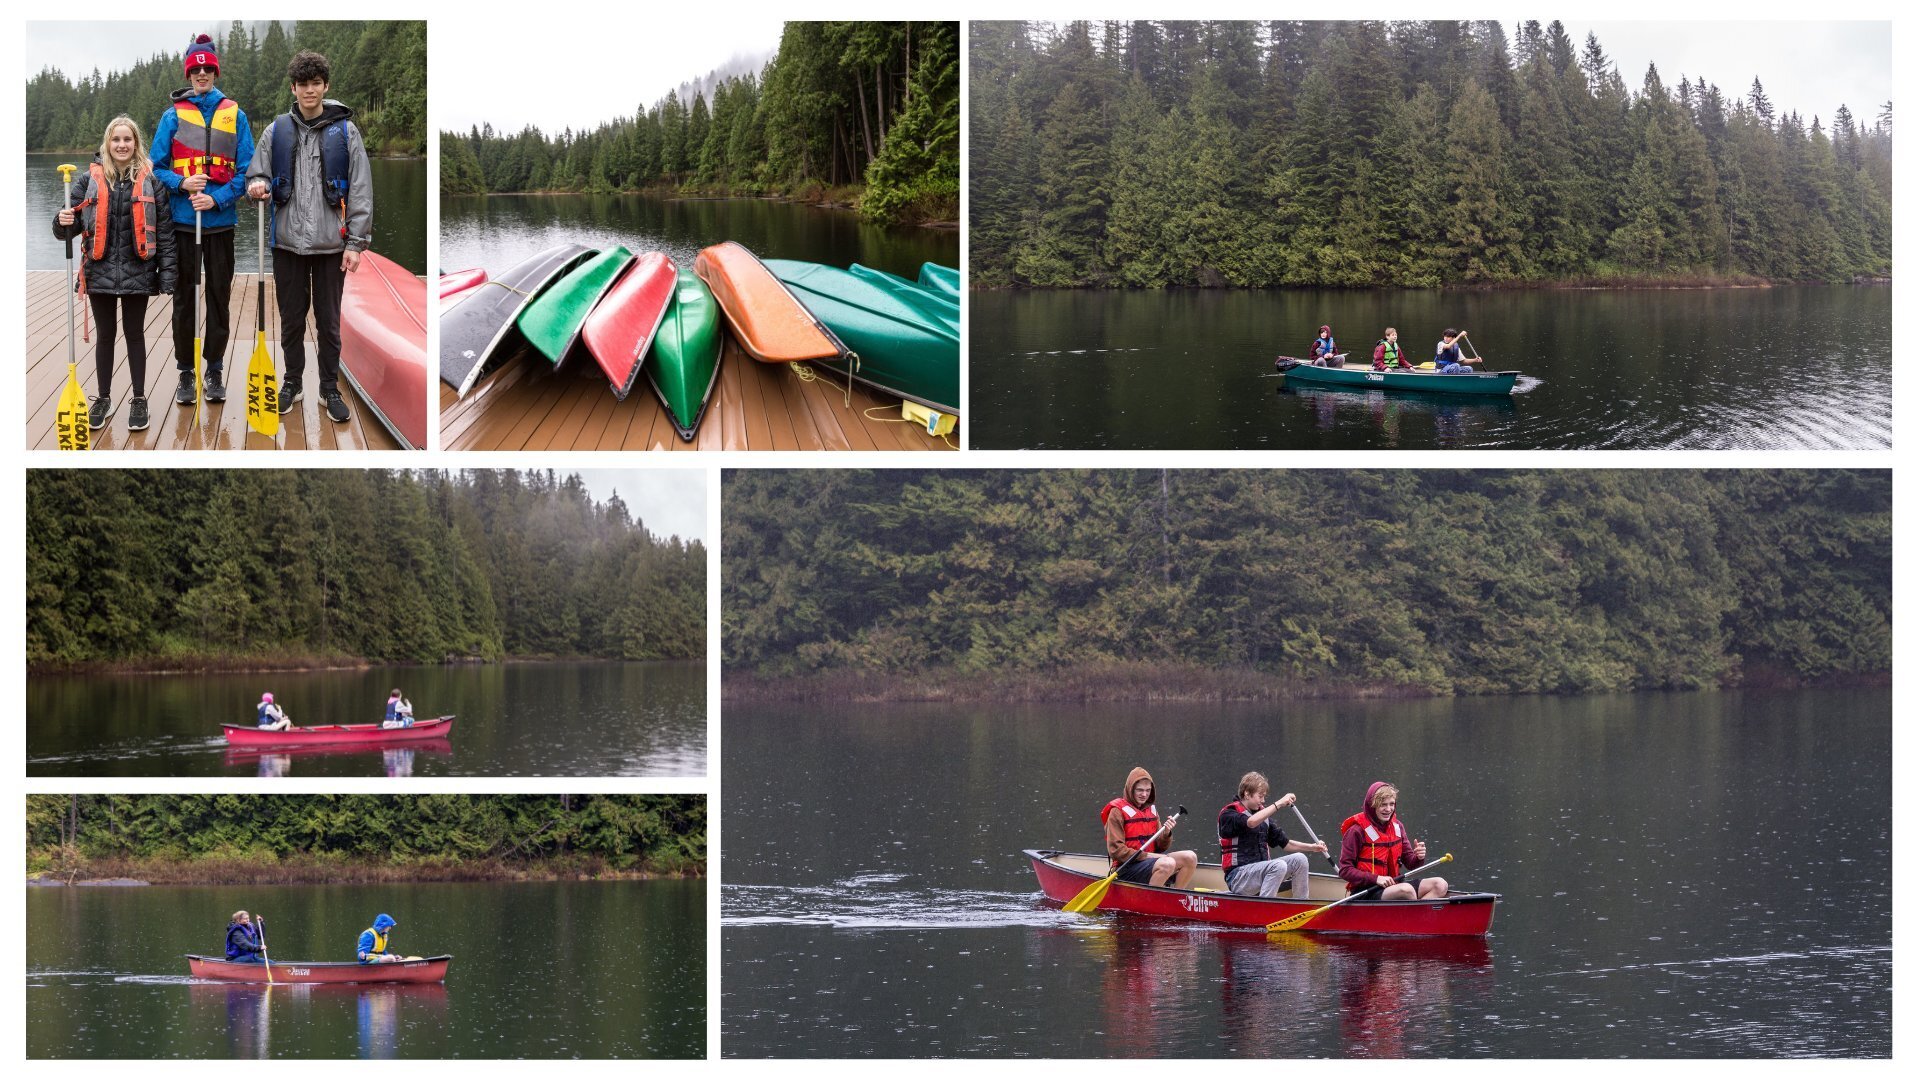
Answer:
(526, 405)
(224, 425)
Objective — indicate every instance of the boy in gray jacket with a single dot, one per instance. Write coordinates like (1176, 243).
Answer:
(312, 163)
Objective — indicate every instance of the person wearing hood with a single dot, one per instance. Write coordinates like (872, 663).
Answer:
(1132, 823)
(1255, 855)
(1375, 849)
(243, 940)
(1323, 350)
(313, 165)
(121, 209)
(373, 941)
(201, 150)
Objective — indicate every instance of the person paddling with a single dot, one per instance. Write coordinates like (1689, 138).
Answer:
(243, 940)
(1375, 849)
(373, 941)
(1130, 823)
(270, 717)
(1249, 840)
(1446, 355)
(399, 711)
(1387, 355)
(1323, 350)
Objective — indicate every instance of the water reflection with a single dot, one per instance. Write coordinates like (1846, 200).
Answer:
(381, 1013)
(1448, 421)
(394, 761)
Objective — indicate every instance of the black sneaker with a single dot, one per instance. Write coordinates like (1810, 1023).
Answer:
(99, 412)
(216, 388)
(336, 407)
(137, 415)
(184, 394)
(289, 393)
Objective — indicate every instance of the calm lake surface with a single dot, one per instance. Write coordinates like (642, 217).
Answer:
(559, 719)
(1792, 368)
(540, 970)
(399, 214)
(498, 231)
(1683, 875)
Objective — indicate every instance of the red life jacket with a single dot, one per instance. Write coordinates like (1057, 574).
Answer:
(100, 195)
(1230, 846)
(1380, 849)
(1141, 824)
(213, 148)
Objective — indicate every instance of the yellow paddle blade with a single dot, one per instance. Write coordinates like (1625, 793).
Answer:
(263, 402)
(70, 415)
(1428, 366)
(1090, 897)
(1295, 922)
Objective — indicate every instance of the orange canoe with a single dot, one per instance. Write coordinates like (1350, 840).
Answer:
(769, 323)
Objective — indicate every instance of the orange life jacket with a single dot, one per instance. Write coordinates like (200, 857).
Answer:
(214, 150)
(100, 197)
(1141, 824)
(1380, 849)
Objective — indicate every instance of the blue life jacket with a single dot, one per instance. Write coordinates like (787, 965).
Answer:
(333, 159)
(260, 717)
(247, 945)
(1444, 355)
(393, 708)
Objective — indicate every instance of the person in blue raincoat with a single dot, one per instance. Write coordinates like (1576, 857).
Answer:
(373, 948)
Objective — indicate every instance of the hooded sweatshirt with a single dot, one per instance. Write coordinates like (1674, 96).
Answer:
(1353, 832)
(1114, 818)
(306, 224)
(223, 215)
(372, 941)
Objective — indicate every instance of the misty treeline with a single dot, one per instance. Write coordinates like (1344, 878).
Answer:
(379, 71)
(1435, 581)
(663, 833)
(374, 564)
(1153, 154)
(840, 103)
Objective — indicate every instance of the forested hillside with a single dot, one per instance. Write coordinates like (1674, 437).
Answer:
(379, 71)
(841, 103)
(1153, 154)
(1435, 581)
(660, 833)
(372, 564)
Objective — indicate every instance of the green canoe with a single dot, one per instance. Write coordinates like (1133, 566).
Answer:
(553, 320)
(684, 363)
(907, 339)
(942, 280)
(1360, 376)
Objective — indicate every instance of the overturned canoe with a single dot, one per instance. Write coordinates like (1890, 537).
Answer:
(942, 280)
(366, 734)
(1364, 376)
(619, 330)
(383, 345)
(458, 281)
(1063, 874)
(430, 969)
(770, 323)
(552, 322)
(906, 338)
(472, 330)
(684, 363)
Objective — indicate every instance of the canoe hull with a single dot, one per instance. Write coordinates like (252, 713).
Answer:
(459, 281)
(553, 321)
(770, 323)
(472, 330)
(1481, 383)
(339, 734)
(684, 364)
(430, 969)
(907, 339)
(940, 280)
(383, 345)
(1062, 875)
(619, 331)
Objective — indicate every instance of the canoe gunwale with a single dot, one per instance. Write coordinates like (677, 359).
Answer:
(646, 344)
(527, 295)
(339, 734)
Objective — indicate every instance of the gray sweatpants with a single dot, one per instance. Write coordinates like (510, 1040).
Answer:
(1265, 878)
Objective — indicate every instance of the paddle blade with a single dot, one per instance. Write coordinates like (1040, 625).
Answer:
(1089, 898)
(263, 401)
(70, 415)
(1295, 922)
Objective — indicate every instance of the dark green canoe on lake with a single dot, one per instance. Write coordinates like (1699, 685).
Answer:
(907, 338)
(684, 363)
(552, 321)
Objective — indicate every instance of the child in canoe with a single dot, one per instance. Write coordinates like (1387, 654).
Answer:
(1132, 823)
(1375, 849)
(1323, 351)
(1387, 355)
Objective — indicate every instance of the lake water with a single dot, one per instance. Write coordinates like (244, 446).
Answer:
(1698, 875)
(498, 231)
(534, 719)
(399, 214)
(1798, 367)
(540, 970)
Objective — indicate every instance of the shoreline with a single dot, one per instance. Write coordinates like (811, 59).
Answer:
(827, 200)
(1673, 284)
(241, 665)
(139, 873)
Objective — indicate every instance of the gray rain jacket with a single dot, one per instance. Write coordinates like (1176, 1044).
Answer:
(305, 224)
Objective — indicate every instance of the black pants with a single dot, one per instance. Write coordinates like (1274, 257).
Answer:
(135, 308)
(303, 281)
(219, 259)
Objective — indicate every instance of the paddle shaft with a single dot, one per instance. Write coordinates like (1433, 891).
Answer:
(1305, 917)
(1151, 840)
(1302, 819)
(66, 201)
(260, 323)
(199, 302)
(262, 920)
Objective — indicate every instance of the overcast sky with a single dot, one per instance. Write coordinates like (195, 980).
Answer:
(672, 502)
(1808, 67)
(77, 48)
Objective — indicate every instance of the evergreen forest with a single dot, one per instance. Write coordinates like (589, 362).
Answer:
(841, 104)
(293, 566)
(1420, 154)
(379, 71)
(657, 833)
(1329, 582)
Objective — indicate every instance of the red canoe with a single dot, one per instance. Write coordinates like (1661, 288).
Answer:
(620, 328)
(383, 345)
(365, 734)
(1062, 876)
(431, 969)
(459, 281)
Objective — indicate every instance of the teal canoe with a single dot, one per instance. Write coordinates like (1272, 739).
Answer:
(1363, 376)
(943, 280)
(684, 364)
(906, 339)
(554, 318)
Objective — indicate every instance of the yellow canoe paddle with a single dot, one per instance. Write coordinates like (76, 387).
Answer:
(262, 920)
(263, 406)
(1295, 922)
(1089, 898)
(70, 429)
